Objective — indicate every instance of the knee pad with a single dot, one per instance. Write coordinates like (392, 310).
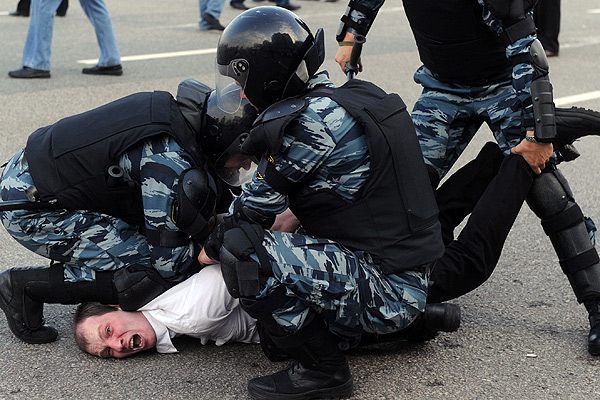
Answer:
(243, 276)
(549, 194)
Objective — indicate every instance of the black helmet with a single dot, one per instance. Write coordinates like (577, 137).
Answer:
(270, 53)
(223, 133)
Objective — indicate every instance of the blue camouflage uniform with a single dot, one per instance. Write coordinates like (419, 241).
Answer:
(448, 114)
(480, 64)
(325, 148)
(88, 241)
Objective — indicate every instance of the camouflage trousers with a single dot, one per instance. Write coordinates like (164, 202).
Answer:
(447, 116)
(85, 241)
(346, 288)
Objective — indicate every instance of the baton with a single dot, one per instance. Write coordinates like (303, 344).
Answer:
(351, 67)
(26, 205)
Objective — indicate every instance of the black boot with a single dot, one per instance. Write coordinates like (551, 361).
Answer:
(23, 292)
(593, 308)
(321, 370)
(436, 318)
(24, 315)
(574, 123)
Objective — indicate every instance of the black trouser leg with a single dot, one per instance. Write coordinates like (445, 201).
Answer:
(459, 194)
(470, 260)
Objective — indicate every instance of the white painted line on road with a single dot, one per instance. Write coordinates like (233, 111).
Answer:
(156, 55)
(577, 98)
(594, 11)
(4, 12)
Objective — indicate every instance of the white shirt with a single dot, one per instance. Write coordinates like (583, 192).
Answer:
(200, 307)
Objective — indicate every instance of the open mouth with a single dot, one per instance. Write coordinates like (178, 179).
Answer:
(136, 342)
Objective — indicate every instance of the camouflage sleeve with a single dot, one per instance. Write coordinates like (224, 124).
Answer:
(306, 145)
(523, 73)
(161, 163)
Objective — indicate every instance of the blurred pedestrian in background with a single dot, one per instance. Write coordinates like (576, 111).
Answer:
(36, 53)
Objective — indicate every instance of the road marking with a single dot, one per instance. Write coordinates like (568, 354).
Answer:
(141, 57)
(577, 98)
(594, 11)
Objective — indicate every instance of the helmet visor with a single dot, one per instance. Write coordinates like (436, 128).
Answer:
(234, 168)
(230, 78)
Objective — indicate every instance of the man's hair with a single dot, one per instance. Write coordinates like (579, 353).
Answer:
(83, 312)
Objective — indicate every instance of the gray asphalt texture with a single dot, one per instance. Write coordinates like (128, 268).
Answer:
(523, 334)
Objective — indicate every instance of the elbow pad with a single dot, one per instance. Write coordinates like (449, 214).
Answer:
(361, 27)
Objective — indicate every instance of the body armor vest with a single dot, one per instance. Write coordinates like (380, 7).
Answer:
(70, 160)
(454, 42)
(394, 217)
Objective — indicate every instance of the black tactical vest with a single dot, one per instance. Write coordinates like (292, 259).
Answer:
(394, 217)
(69, 160)
(454, 42)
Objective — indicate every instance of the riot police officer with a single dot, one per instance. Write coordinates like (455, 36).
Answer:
(347, 162)
(483, 63)
(120, 198)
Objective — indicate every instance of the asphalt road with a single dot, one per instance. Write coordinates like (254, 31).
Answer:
(523, 334)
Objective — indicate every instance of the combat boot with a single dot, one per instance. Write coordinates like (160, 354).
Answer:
(442, 317)
(574, 123)
(435, 319)
(23, 292)
(24, 315)
(321, 371)
(593, 308)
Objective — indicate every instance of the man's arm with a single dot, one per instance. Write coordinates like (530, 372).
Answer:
(513, 22)
(357, 19)
(160, 166)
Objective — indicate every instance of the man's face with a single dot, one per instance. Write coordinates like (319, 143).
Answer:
(237, 162)
(117, 334)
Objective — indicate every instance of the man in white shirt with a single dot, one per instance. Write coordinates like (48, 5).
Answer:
(200, 307)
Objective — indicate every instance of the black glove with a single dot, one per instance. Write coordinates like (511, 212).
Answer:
(213, 244)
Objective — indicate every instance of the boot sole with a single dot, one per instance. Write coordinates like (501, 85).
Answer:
(342, 391)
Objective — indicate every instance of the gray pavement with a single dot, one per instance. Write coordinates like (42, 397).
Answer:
(523, 334)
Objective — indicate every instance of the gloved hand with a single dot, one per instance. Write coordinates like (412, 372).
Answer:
(213, 243)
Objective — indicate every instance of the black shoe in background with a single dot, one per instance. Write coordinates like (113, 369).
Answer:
(291, 7)
(98, 70)
(213, 22)
(29, 73)
(239, 6)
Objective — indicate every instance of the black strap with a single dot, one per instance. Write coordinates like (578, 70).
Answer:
(263, 257)
(580, 261)
(369, 12)
(261, 308)
(518, 31)
(563, 220)
(266, 170)
(167, 238)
